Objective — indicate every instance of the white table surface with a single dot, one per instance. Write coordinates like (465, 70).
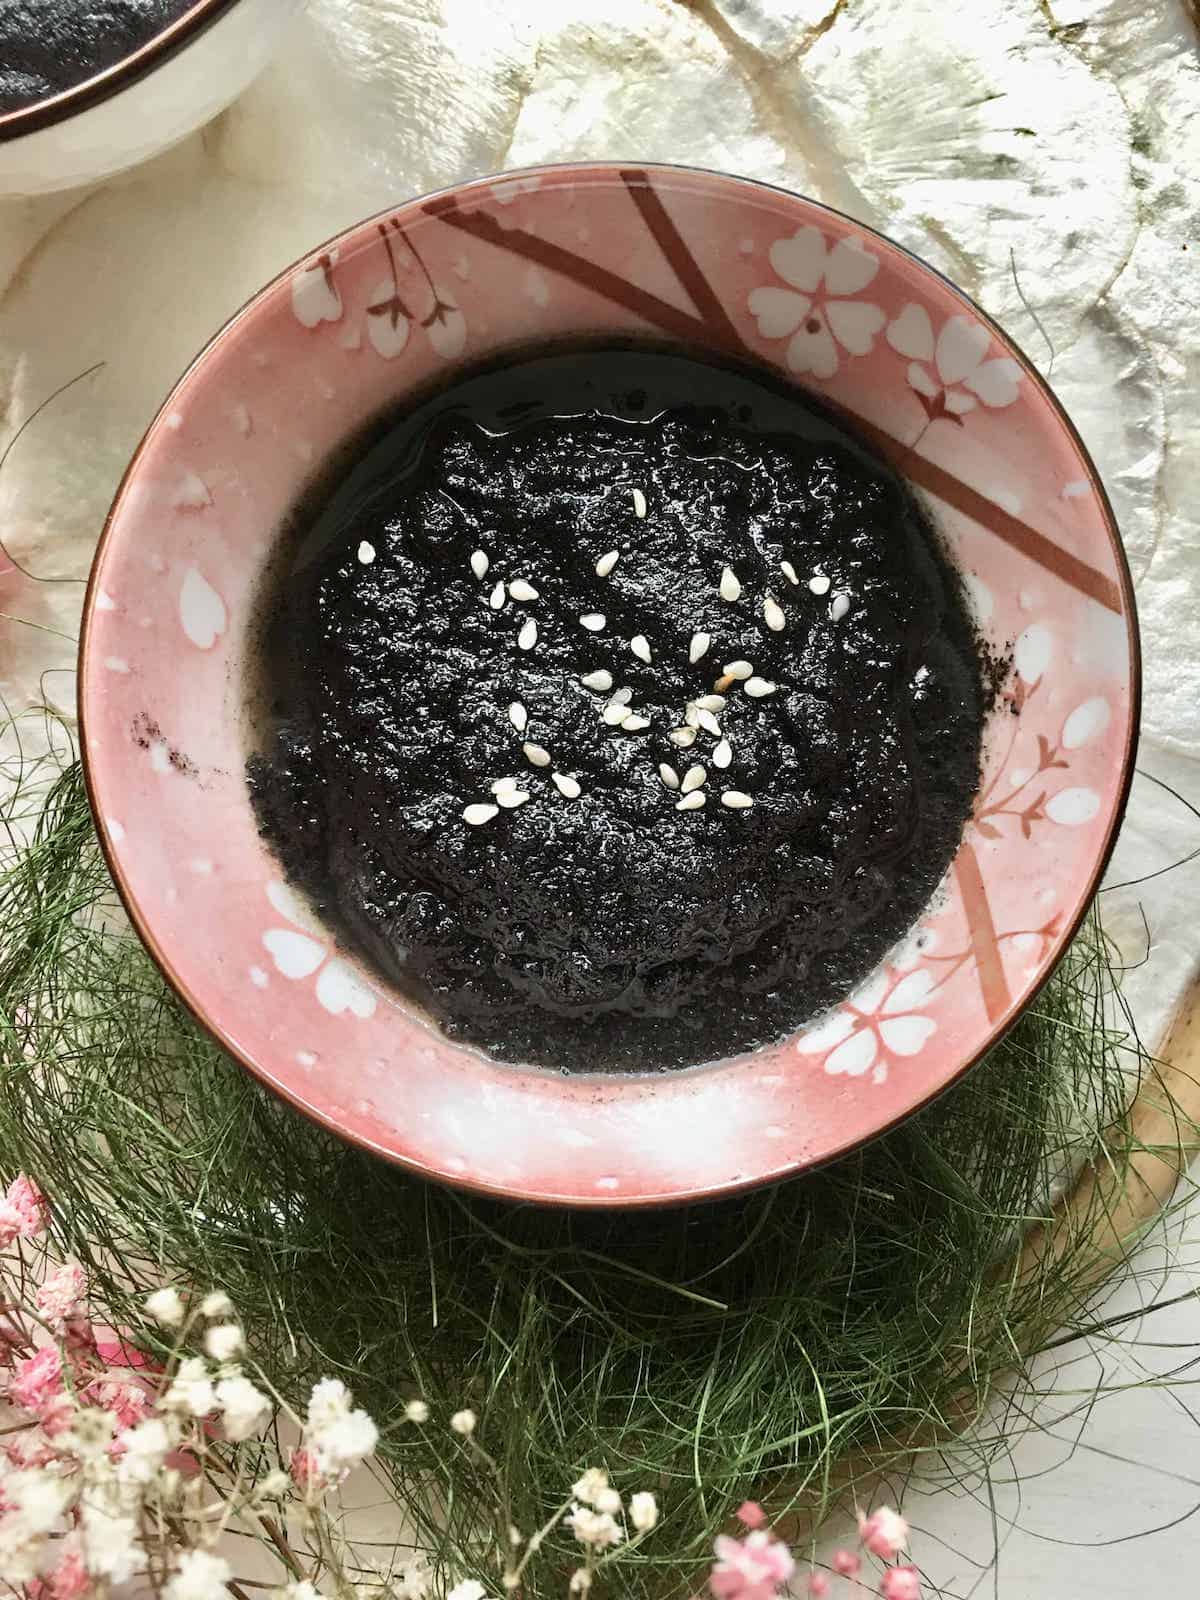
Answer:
(1050, 143)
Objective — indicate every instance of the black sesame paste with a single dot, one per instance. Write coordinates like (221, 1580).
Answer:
(743, 784)
(47, 46)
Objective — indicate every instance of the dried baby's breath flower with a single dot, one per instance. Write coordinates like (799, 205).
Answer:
(165, 1307)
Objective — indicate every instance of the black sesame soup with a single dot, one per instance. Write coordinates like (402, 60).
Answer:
(620, 708)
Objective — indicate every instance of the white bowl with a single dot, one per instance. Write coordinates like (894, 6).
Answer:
(174, 84)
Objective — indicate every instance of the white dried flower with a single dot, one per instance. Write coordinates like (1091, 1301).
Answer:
(275, 1486)
(593, 1482)
(413, 1581)
(200, 1576)
(223, 1341)
(90, 1435)
(608, 1500)
(581, 1581)
(416, 1411)
(192, 1390)
(304, 1590)
(34, 1501)
(216, 1304)
(463, 1422)
(643, 1511)
(146, 1448)
(330, 1399)
(344, 1443)
(165, 1307)
(110, 1547)
(244, 1408)
(468, 1589)
(597, 1528)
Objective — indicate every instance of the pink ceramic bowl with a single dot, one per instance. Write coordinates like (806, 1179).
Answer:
(497, 265)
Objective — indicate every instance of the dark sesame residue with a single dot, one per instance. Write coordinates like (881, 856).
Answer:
(477, 783)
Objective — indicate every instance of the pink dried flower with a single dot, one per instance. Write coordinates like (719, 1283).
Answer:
(69, 1579)
(56, 1414)
(303, 1468)
(818, 1584)
(29, 1448)
(36, 1380)
(753, 1568)
(901, 1583)
(61, 1296)
(23, 1211)
(884, 1533)
(80, 1339)
(846, 1564)
(126, 1400)
(751, 1515)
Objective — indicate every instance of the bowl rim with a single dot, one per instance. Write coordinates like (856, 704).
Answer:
(522, 1195)
(158, 49)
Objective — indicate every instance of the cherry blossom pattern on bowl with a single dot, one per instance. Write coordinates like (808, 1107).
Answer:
(401, 301)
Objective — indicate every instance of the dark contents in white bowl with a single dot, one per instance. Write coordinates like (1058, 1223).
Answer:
(430, 637)
(47, 46)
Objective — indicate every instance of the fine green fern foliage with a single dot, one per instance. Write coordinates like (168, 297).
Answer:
(757, 1346)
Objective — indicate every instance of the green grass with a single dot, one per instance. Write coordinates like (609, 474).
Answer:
(755, 1346)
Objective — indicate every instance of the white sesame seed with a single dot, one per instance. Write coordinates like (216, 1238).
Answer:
(773, 614)
(839, 606)
(639, 503)
(819, 583)
(691, 802)
(789, 572)
(709, 723)
(622, 697)
(635, 723)
(692, 715)
(501, 784)
(738, 669)
(730, 587)
(593, 621)
(597, 680)
(518, 716)
(683, 737)
(723, 754)
(496, 598)
(694, 778)
(757, 687)
(736, 800)
(480, 564)
(607, 562)
(478, 815)
(536, 755)
(366, 553)
(668, 775)
(527, 637)
(518, 589)
(640, 646)
(510, 798)
(711, 702)
(699, 646)
(615, 713)
(567, 787)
